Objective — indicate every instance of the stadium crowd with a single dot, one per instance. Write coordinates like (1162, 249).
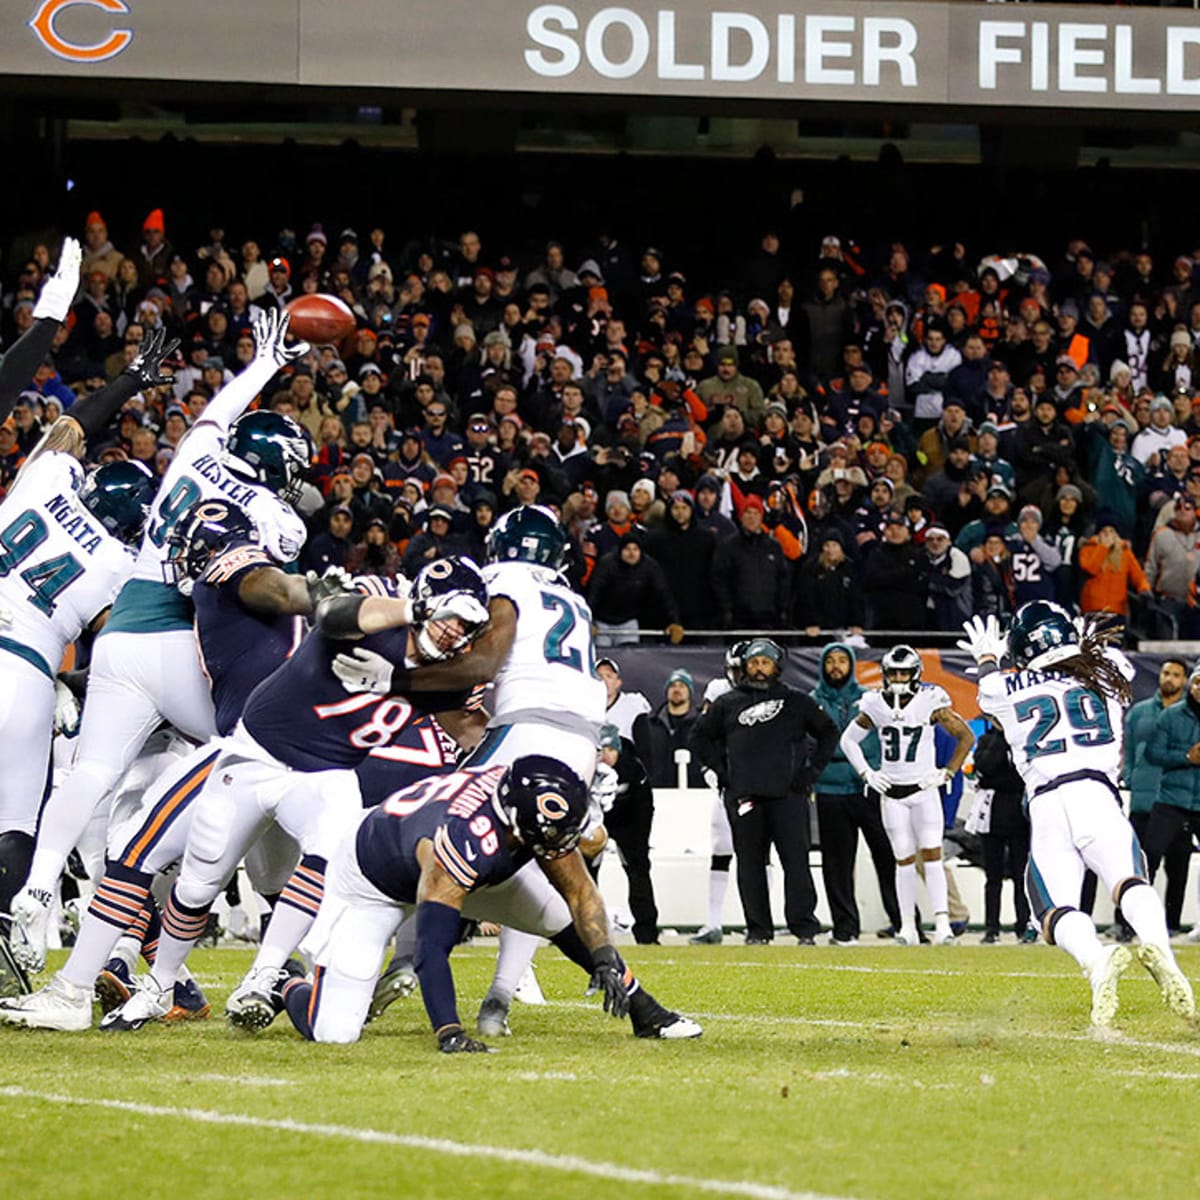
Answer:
(827, 442)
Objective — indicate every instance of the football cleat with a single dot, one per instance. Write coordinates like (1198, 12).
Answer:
(710, 935)
(14, 983)
(396, 983)
(1176, 990)
(30, 925)
(528, 990)
(114, 985)
(493, 1018)
(1104, 979)
(146, 1005)
(188, 1003)
(908, 936)
(943, 935)
(254, 1003)
(59, 1005)
(651, 1020)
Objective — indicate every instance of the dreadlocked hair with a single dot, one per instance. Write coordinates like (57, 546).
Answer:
(1091, 666)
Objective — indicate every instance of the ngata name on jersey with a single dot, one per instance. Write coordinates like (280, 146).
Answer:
(73, 523)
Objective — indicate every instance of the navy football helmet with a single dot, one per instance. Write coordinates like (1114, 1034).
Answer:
(119, 496)
(446, 589)
(529, 534)
(207, 529)
(901, 667)
(545, 804)
(761, 647)
(272, 449)
(1042, 633)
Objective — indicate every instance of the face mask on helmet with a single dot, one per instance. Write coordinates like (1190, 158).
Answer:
(545, 804)
(450, 607)
(901, 668)
(733, 664)
(204, 531)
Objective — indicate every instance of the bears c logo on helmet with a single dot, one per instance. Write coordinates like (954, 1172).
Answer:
(43, 25)
(552, 806)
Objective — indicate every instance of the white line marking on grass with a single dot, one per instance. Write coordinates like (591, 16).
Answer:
(556, 1076)
(1181, 1075)
(569, 1164)
(248, 1080)
(862, 970)
(904, 1023)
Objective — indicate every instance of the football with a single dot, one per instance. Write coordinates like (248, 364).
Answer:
(320, 319)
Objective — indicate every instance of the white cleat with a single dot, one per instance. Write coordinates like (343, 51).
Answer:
(30, 927)
(1176, 990)
(147, 1005)
(943, 935)
(908, 936)
(529, 991)
(252, 1005)
(1104, 985)
(1194, 935)
(59, 1005)
(681, 1027)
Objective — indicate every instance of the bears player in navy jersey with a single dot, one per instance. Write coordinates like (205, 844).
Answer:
(291, 762)
(249, 618)
(491, 843)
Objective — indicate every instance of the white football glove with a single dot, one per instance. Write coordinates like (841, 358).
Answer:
(362, 670)
(604, 786)
(937, 778)
(59, 290)
(270, 339)
(877, 781)
(462, 605)
(335, 581)
(984, 638)
(66, 710)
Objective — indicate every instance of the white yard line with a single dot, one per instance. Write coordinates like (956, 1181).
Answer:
(566, 1164)
(893, 1023)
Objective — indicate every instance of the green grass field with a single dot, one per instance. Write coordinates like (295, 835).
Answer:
(875, 1072)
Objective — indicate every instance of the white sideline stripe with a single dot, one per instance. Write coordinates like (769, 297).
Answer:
(532, 1158)
(1181, 1075)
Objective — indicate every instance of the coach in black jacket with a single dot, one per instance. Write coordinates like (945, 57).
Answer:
(767, 743)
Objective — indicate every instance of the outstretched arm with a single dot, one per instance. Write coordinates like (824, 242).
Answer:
(270, 353)
(27, 352)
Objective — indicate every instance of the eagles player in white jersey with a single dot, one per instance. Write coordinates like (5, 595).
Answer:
(909, 779)
(145, 668)
(65, 550)
(1061, 711)
(547, 696)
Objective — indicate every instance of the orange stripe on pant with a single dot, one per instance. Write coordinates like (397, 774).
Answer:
(179, 797)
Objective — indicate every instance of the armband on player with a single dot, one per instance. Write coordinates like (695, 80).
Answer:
(337, 616)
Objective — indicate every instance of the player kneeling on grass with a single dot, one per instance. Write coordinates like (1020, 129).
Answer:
(1060, 711)
(489, 843)
(909, 779)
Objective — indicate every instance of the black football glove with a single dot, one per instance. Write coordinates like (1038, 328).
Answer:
(146, 366)
(455, 1041)
(608, 976)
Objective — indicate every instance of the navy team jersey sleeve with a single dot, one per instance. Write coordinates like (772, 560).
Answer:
(238, 648)
(305, 718)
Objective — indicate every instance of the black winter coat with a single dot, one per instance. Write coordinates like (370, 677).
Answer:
(770, 742)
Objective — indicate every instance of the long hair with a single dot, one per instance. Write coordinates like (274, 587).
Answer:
(1092, 666)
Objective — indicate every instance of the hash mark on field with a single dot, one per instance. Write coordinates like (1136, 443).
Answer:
(532, 1158)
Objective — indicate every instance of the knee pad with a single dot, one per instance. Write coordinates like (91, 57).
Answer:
(1124, 886)
(721, 862)
(1050, 922)
(209, 834)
